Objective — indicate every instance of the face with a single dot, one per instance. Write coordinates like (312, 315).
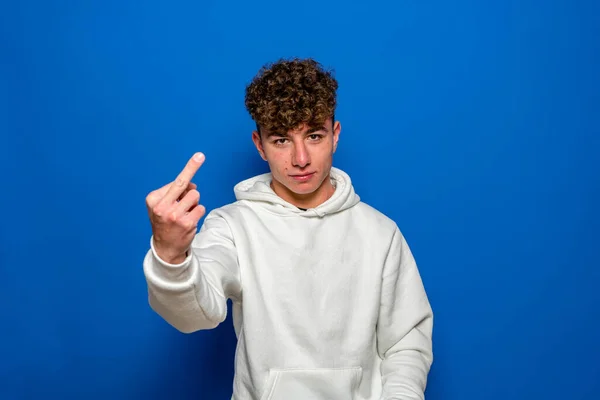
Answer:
(300, 159)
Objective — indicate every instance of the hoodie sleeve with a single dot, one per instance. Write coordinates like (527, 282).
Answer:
(404, 328)
(193, 295)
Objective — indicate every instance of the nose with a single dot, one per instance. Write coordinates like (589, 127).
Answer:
(301, 157)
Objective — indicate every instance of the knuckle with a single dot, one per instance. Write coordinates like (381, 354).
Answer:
(190, 224)
(158, 211)
(150, 198)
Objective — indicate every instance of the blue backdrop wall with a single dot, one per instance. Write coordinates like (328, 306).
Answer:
(475, 126)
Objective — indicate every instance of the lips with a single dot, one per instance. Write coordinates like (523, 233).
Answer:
(302, 177)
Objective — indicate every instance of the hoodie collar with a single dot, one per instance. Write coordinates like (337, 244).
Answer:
(258, 190)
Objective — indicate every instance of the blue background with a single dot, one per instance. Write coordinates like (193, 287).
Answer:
(475, 126)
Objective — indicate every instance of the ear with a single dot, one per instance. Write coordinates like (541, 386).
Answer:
(337, 128)
(258, 143)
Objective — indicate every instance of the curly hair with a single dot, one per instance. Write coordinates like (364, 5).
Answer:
(289, 93)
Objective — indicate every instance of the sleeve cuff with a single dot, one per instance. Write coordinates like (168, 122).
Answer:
(166, 264)
(168, 272)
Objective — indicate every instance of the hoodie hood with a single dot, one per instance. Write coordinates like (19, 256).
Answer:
(258, 190)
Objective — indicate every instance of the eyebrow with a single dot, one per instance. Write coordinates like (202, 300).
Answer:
(280, 134)
(285, 135)
(323, 128)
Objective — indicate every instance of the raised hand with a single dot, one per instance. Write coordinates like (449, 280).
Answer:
(174, 212)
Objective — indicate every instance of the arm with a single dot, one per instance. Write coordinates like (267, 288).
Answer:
(193, 295)
(404, 328)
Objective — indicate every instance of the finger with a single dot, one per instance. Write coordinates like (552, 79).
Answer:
(196, 213)
(185, 176)
(191, 186)
(156, 195)
(190, 200)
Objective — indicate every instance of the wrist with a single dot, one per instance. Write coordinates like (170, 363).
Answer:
(168, 255)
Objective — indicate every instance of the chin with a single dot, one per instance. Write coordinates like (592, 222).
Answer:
(303, 191)
(304, 188)
(300, 189)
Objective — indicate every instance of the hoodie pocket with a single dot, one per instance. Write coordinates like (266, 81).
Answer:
(312, 384)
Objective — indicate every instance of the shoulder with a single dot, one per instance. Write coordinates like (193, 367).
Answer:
(373, 223)
(374, 215)
(220, 221)
(228, 212)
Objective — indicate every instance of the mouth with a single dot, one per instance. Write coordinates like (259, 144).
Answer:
(302, 177)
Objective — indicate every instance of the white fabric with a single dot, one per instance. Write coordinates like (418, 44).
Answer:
(328, 303)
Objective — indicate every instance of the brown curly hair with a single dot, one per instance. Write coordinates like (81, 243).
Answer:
(290, 92)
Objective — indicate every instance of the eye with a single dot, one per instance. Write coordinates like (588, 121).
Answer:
(315, 136)
(280, 141)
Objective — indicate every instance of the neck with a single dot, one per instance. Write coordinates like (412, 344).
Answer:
(309, 200)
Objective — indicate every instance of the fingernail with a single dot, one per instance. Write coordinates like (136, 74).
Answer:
(198, 157)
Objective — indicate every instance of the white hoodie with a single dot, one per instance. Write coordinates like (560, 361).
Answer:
(328, 303)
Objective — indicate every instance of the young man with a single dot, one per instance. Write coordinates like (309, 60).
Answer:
(327, 299)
